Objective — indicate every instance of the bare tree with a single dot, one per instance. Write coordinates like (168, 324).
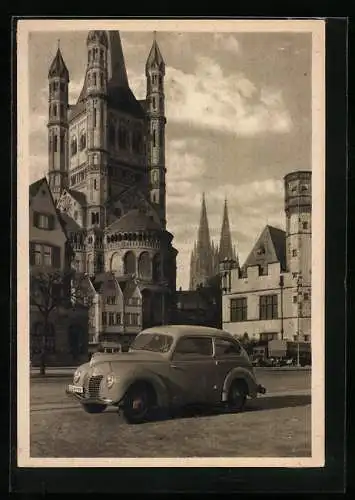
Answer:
(50, 291)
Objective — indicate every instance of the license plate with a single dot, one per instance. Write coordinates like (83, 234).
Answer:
(76, 389)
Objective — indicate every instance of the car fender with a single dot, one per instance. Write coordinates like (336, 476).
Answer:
(240, 373)
(144, 376)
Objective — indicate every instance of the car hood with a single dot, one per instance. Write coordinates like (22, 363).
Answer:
(124, 357)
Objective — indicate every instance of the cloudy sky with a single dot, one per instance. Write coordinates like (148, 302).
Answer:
(238, 109)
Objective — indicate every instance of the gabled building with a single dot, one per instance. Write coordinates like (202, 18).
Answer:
(269, 297)
(50, 253)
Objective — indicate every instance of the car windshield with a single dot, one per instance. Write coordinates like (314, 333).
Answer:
(155, 342)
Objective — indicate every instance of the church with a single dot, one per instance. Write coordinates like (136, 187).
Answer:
(206, 256)
(107, 177)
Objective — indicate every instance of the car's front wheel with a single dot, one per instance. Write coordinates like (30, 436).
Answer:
(237, 396)
(138, 403)
(93, 408)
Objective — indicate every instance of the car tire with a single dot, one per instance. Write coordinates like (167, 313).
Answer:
(138, 403)
(237, 396)
(93, 408)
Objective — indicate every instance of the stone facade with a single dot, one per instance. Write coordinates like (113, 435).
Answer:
(107, 176)
(270, 296)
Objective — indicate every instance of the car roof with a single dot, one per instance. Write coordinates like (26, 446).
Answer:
(182, 330)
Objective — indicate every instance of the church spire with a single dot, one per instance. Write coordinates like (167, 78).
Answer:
(225, 244)
(203, 240)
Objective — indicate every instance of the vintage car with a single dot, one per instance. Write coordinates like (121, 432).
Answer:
(168, 367)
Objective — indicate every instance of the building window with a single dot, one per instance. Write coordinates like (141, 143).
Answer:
(111, 300)
(111, 318)
(306, 338)
(122, 137)
(268, 307)
(154, 138)
(112, 134)
(118, 318)
(74, 146)
(294, 253)
(44, 255)
(154, 102)
(94, 117)
(94, 79)
(238, 309)
(129, 263)
(306, 296)
(304, 225)
(95, 184)
(55, 143)
(160, 80)
(294, 299)
(62, 143)
(102, 80)
(104, 318)
(43, 221)
(82, 141)
(294, 275)
(154, 79)
(54, 110)
(95, 218)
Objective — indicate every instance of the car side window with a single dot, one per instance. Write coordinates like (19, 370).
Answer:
(225, 347)
(190, 347)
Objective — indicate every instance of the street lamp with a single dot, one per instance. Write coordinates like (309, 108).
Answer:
(281, 283)
(225, 268)
(299, 313)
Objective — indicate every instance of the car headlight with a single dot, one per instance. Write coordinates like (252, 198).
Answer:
(76, 377)
(110, 380)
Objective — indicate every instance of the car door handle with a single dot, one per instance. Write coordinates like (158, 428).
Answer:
(176, 367)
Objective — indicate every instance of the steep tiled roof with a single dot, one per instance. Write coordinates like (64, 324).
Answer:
(134, 220)
(69, 223)
(269, 248)
(78, 196)
(34, 187)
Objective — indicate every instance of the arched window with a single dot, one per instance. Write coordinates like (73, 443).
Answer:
(94, 78)
(129, 263)
(144, 266)
(112, 134)
(122, 137)
(82, 141)
(74, 146)
(115, 264)
(157, 274)
(54, 110)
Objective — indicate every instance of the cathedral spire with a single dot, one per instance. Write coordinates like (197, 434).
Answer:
(203, 240)
(225, 244)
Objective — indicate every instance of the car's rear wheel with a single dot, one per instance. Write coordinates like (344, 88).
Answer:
(138, 403)
(93, 408)
(237, 396)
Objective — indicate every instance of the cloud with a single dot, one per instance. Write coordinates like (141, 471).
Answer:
(226, 42)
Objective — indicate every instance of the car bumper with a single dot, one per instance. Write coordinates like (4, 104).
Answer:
(82, 398)
(261, 389)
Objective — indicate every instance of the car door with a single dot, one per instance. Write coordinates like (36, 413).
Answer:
(228, 354)
(192, 370)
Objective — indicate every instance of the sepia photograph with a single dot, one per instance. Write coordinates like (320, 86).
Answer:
(170, 243)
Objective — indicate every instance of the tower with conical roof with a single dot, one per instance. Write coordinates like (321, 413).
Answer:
(155, 72)
(58, 78)
(226, 249)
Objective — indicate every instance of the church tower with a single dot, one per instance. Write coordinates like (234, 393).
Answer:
(58, 77)
(96, 112)
(226, 250)
(202, 256)
(155, 72)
